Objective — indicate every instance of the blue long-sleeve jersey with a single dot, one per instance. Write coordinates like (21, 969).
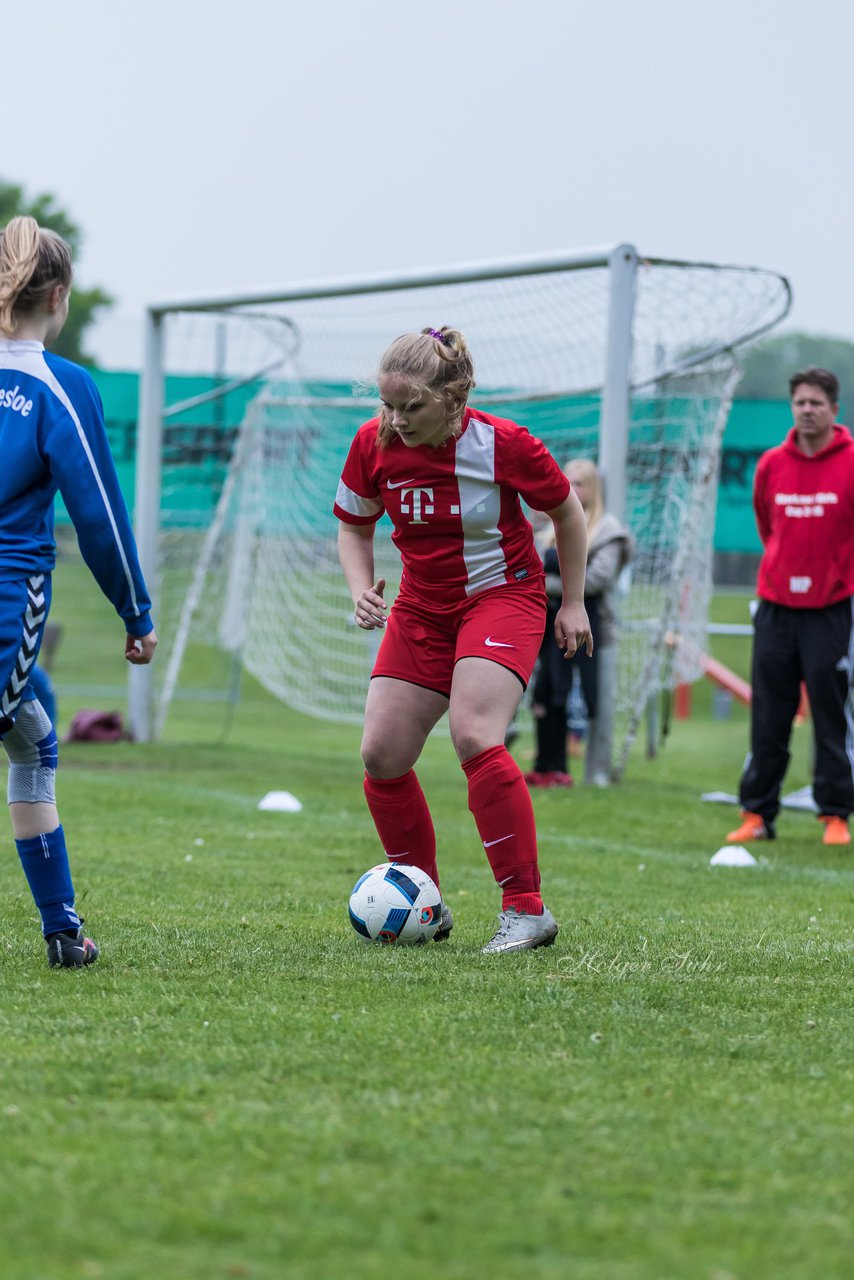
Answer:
(52, 437)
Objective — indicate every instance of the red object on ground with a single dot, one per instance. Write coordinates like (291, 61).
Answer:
(97, 726)
(682, 706)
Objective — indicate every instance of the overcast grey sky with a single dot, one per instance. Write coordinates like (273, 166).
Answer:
(206, 146)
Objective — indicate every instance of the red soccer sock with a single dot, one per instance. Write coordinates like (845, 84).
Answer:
(502, 808)
(403, 821)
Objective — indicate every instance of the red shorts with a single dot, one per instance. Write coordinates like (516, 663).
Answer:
(504, 625)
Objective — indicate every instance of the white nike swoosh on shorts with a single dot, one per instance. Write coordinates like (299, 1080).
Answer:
(497, 644)
(487, 844)
(398, 484)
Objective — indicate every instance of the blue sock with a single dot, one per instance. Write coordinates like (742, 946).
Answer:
(45, 862)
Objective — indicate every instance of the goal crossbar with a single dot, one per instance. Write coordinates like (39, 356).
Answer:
(388, 282)
(638, 337)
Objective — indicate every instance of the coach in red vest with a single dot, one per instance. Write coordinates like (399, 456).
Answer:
(804, 501)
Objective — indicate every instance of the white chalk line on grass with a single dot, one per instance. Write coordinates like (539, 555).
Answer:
(645, 854)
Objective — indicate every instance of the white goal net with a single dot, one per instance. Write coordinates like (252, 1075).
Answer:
(263, 398)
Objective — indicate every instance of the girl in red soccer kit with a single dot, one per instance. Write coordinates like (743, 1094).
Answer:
(466, 627)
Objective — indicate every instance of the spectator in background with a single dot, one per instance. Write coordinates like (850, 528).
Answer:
(608, 552)
(803, 496)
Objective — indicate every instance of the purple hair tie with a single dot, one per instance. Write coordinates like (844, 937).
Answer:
(440, 337)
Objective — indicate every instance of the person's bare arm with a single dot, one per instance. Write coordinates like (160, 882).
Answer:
(572, 626)
(356, 553)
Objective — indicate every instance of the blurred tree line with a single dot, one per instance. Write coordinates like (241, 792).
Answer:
(85, 303)
(769, 365)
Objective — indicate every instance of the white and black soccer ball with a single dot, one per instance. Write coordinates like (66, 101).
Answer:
(395, 903)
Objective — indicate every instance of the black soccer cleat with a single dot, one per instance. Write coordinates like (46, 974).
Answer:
(446, 925)
(70, 949)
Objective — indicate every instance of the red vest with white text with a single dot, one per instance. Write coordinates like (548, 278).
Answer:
(805, 514)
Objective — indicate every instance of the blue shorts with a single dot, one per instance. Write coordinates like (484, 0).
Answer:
(24, 606)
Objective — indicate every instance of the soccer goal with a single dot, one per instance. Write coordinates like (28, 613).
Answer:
(249, 403)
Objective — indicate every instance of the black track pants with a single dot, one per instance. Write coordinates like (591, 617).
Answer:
(815, 646)
(552, 686)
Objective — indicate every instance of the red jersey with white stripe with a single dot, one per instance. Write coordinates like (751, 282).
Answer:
(805, 513)
(456, 511)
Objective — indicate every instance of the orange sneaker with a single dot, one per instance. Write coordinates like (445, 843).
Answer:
(752, 828)
(835, 829)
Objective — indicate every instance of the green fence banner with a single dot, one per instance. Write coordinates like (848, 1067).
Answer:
(200, 440)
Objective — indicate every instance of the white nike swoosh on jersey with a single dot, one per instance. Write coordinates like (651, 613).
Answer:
(397, 484)
(487, 844)
(497, 644)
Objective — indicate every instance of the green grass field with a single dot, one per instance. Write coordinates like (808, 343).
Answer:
(239, 1088)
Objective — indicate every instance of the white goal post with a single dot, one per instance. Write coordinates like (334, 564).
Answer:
(248, 404)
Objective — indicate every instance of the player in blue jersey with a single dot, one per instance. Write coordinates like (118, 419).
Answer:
(52, 438)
